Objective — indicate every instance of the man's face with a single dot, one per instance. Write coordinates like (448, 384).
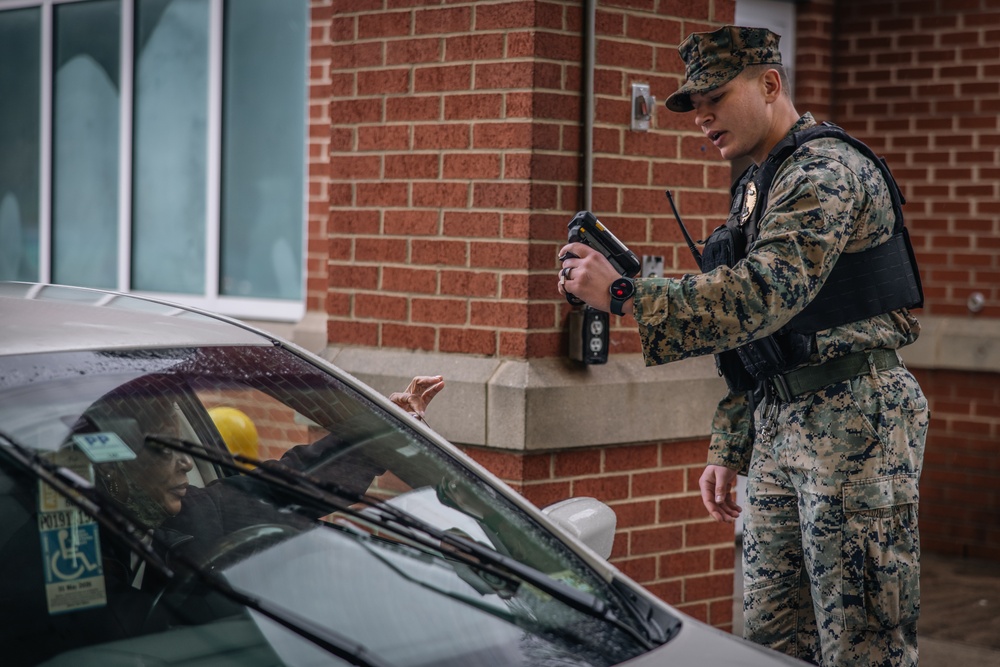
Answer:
(733, 117)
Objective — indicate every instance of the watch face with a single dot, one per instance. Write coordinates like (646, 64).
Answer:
(622, 289)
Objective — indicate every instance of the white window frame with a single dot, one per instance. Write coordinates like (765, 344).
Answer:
(279, 310)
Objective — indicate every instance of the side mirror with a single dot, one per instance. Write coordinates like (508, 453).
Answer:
(587, 519)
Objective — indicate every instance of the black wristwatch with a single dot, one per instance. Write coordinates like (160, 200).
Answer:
(621, 290)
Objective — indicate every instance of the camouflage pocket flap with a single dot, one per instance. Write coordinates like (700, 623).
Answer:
(880, 493)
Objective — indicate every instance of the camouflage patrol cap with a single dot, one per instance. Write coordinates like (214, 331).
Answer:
(715, 58)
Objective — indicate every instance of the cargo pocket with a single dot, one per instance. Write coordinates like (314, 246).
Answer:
(881, 553)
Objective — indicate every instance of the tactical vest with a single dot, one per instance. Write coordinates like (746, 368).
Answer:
(861, 285)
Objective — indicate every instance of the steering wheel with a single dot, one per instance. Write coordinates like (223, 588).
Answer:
(232, 548)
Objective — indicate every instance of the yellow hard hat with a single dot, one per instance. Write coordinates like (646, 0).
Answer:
(237, 430)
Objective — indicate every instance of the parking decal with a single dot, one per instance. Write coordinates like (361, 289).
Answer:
(71, 555)
(71, 543)
(103, 447)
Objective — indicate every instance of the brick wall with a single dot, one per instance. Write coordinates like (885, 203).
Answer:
(453, 139)
(664, 539)
(923, 88)
(960, 485)
(318, 156)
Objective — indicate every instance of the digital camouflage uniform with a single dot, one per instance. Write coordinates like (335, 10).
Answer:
(831, 548)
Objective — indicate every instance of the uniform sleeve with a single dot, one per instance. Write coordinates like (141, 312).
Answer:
(813, 204)
(731, 444)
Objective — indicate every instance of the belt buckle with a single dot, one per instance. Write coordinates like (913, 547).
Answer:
(782, 388)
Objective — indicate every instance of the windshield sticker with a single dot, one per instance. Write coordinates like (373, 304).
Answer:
(71, 559)
(50, 500)
(103, 447)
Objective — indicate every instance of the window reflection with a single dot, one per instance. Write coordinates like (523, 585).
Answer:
(263, 149)
(170, 134)
(85, 123)
(20, 70)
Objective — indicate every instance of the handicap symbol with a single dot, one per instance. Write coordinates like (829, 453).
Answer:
(69, 562)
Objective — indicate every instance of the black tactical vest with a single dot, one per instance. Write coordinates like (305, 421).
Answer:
(861, 285)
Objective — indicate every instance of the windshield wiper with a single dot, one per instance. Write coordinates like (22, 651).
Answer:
(82, 493)
(307, 487)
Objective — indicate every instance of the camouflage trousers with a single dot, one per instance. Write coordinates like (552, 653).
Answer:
(831, 552)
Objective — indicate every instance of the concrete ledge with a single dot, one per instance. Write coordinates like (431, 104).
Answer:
(551, 404)
(956, 343)
(547, 404)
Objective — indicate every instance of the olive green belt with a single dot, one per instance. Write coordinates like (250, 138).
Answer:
(810, 378)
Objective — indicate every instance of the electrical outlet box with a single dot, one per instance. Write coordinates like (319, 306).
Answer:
(642, 107)
(652, 266)
(589, 335)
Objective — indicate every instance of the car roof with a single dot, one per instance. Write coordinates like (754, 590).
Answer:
(45, 318)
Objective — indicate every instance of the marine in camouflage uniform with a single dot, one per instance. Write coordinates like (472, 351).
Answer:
(831, 549)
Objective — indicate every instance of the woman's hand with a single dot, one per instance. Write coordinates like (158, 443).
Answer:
(418, 394)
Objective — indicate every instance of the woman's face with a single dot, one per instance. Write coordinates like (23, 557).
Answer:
(162, 474)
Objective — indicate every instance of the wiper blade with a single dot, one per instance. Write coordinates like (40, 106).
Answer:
(82, 493)
(405, 524)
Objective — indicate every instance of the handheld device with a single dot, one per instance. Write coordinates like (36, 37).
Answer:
(586, 228)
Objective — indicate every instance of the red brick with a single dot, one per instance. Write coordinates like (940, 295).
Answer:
(375, 306)
(351, 333)
(498, 314)
(577, 462)
(439, 311)
(407, 336)
(451, 253)
(471, 165)
(411, 222)
(542, 494)
(406, 279)
(384, 24)
(634, 457)
(474, 47)
(468, 341)
(442, 78)
(442, 137)
(410, 166)
(654, 540)
(383, 137)
(708, 587)
(379, 250)
(684, 563)
(605, 488)
(443, 21)
(632, 514)
(471, 224)
(469, 283)
(657, 482)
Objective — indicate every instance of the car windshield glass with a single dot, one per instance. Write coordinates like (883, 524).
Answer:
(327, 561)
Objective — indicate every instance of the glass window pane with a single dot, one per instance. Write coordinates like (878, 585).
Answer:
(263, 167)
(169, 138)
(85, 121)
(20, 74)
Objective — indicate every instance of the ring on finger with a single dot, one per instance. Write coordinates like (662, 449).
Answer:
(566, 271)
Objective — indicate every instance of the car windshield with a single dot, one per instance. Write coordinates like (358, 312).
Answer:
(355, 539)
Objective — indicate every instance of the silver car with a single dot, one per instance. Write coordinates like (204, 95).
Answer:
(177, 488)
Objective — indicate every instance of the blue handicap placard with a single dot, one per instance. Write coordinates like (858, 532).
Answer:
(71, 554)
